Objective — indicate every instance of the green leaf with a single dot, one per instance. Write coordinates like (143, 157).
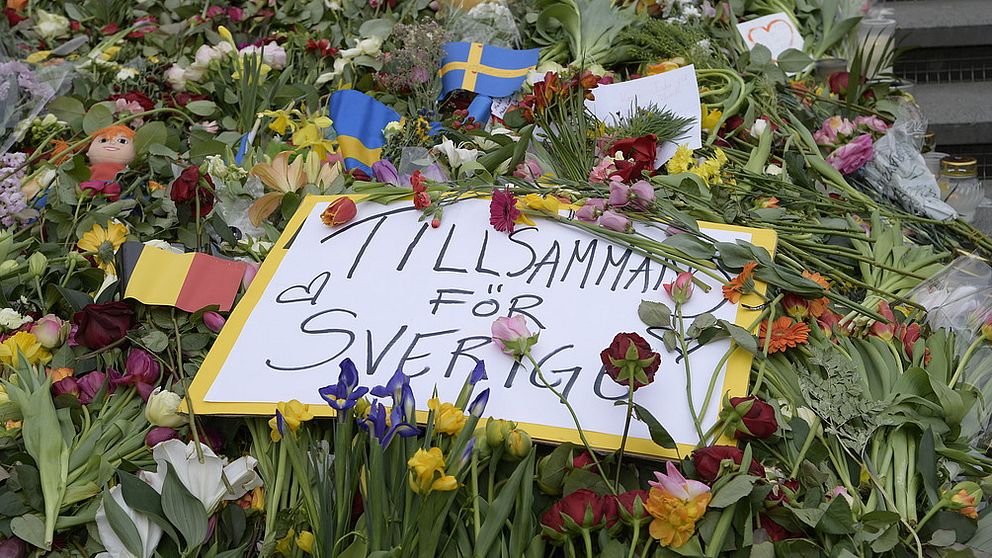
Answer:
(183, 510)
(69, 110)
(654, 314)
(155, 341)
(760, 55)
(202, 108)
(837, 519)
(792, 60)
(738, 487)
(99, 116)
(659, 435)
(122, 525)
(29, 528)
(926, 463)
(691, 246)
(202, 149)
(500, 509)
(741, 336)
(77, 300)
(152, 133)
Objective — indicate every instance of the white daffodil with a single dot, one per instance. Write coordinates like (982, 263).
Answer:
(457, 157)
(149, 532)
(206, 480)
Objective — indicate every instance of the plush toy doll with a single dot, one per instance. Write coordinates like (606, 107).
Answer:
(110, 152)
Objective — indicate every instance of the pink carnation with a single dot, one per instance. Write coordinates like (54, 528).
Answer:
(851, 157)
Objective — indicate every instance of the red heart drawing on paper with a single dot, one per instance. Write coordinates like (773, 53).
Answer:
(783, 29)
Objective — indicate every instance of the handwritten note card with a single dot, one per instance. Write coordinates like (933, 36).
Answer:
(777, 32)
(675, 90)
(390, 292)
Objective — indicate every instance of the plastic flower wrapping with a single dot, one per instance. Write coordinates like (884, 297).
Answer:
(193, 133)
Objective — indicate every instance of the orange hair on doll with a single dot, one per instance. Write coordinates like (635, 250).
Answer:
(112, 131)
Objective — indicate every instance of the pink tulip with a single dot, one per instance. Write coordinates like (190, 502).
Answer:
(213, 321)
(615, 221)
(681, 288)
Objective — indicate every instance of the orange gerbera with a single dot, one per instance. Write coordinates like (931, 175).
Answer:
(786, 333)
(819, 305)
(740, 285)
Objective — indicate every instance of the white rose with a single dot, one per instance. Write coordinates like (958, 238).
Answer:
(176, 76)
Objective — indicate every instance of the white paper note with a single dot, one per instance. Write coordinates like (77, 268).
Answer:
(776, 32)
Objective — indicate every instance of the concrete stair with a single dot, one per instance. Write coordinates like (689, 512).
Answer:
(950, 61)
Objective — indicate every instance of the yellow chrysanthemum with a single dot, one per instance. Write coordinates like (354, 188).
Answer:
(448, 419)
(26, 345)
(427, 472)
(103, 243)
(681, 161)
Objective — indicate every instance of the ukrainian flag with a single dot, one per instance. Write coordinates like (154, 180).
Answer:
(485, 69)
(358, 122)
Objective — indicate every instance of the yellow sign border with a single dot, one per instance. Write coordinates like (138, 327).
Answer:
(735, 381)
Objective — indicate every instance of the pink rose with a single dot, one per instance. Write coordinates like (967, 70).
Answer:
(615, 221)
(619, 194)
(50, 331)
(512, 336)
(591, 210)
(528, 170)
(851, 157)
(873, 123)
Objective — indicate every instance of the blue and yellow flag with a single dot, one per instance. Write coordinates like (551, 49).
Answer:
(485, 69)
(358, 122)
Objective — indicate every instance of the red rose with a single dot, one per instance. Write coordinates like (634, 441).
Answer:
(783, 491)
(182, 99)
(838, 82)
(99, 325)
(552, 522)
(775, 531)
(13, 18)
(112, 190)
(190, 186)
(642, 150)
(582, 460)
(709, 459)
(759, 420)
(584, 508)
(136, 97)
(622, 366)
(630, 511)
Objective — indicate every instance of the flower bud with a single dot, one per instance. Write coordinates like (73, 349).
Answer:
(37, 264)
(518, 443)
(50, 331)
(8, 267)
(496, 431)
(963, 498)
(163, 409)
(512, 336)
(214, 321)
(160, 434)
(987, 329)
(339, 212)
(681, 288)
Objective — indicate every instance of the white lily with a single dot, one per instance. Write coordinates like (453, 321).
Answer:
(457, 157)
(205, 481)
(149, 532)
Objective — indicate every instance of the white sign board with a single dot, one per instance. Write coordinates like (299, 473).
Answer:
(674, 90)
(776, 32)
(391, 292)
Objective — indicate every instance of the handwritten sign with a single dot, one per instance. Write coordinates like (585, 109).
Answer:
(777, 32)
(674, 90)
(391, 292)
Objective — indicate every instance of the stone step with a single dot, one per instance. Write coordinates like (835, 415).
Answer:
(943, 23)
(959, 113)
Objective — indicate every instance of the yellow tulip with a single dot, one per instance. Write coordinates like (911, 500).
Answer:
(293, 414)
(448, 419)
(710, 118)
(26, 345)
(427, 472)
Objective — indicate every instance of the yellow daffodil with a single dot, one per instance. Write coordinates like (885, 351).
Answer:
(675, 504)
(427, 472)
(448, 419)
(547, 204)
(310, 135)
(110, 52)
(226, 35)
(103, 243)
(284, 546)
(281, 120)
(305, 541)
(710, 118)
(26, 345)
(293, 414)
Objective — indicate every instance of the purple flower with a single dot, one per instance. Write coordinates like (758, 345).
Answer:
(591, 210)
(851, 157)
(478, 405)
(141, 371)
(384, 171)
(615, 221)
(214, 321)
(478, 373)
(90, 386)
(160, 434)
(346, 393)
(394, 387)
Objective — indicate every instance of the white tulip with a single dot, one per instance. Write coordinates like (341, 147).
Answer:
(457, 157)
(149, 532)
(206, 480)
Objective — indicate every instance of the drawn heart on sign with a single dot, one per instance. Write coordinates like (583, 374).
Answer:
(305, 293)
(778, 31)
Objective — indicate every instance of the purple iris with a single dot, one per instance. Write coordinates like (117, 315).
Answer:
(346, 393)
(393, 387)
(478, 405)
(280, 423)
(478, 373)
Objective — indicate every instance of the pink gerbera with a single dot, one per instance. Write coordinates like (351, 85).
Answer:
(503, 211)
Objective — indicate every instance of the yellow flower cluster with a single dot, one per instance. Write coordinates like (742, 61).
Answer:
(448, 419)
(708, 169)
(427, 472)
(674, 518)
(26, 345)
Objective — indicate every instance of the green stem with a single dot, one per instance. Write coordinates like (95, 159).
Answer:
(963, 363)
(626, 429)
(810, 436)
(688, 372)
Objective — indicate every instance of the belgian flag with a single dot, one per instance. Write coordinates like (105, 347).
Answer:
(190, 282)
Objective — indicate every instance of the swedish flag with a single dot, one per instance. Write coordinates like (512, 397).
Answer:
(358, 122)
(485, 69)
